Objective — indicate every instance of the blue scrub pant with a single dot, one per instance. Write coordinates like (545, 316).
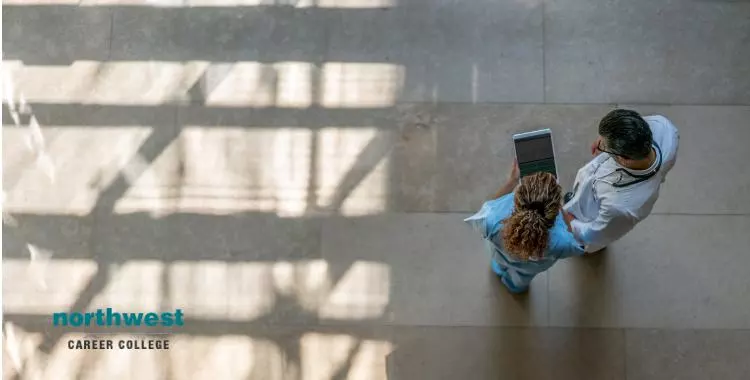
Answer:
(513, 280)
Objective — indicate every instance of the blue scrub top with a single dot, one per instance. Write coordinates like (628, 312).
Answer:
(489, 222)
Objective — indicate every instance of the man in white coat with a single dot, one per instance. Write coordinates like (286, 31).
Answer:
(618, 188)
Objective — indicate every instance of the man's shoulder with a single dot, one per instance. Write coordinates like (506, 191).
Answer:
(666, 135)
(656, 118)
(659, 122)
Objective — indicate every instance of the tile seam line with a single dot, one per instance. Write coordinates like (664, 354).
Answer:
(508, 327)
(548, 322)
(548, 103)
(396, 104)
(625, 354)
(446, 326)
(111, 32)
(544, 51)
(459, 213)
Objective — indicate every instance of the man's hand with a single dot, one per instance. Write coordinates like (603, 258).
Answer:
(595, 146)
(568, 217)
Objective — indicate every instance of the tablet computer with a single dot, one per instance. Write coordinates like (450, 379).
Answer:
(535, 152)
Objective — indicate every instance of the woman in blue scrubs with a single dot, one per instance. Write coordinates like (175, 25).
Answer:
(524, 229)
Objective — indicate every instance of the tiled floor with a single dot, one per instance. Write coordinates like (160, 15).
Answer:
(294, 174)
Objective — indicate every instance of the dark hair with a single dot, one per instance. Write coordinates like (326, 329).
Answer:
(626, 134)
(536, 202)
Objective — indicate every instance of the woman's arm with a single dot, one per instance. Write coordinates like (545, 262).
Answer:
(510, 183)
(505, 189)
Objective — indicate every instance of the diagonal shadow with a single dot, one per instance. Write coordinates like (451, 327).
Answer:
(376, 150)
(150, 149)
(343, 371)
(213, 76)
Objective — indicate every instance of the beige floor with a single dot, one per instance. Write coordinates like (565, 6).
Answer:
(293, 176)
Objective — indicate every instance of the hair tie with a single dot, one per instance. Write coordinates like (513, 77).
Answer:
(538, 207)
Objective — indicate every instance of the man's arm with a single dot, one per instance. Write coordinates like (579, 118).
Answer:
(610, 225)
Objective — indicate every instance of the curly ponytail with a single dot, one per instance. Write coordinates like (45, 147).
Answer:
(537, 202)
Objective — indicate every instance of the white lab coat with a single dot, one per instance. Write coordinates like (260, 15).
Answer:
(605, 212)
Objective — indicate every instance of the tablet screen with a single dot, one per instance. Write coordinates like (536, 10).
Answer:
(535, 154)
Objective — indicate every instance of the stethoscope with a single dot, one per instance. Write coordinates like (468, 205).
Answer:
(638, 178)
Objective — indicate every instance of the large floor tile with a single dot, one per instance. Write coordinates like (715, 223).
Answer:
(219, 34)
(647, 51)
(73, 160)
(55, 35)
(710, 161)
(669, 272)
(687, 355)
(507, 353)
(498, 58)
(419, 269)
(488, 51)
(291, 162)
